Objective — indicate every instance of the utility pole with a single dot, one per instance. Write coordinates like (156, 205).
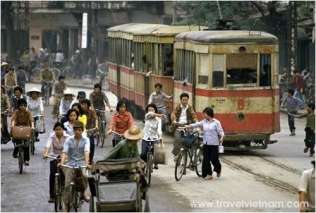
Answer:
(292, 63)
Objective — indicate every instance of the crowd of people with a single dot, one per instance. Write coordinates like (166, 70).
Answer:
(77, 122)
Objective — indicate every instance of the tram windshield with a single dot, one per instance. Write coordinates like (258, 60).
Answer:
(241, 69)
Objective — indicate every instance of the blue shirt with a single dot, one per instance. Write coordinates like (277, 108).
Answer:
(292, 103)
(212, 131)
(75, 150)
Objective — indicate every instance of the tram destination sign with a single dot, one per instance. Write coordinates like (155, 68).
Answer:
(95, 5)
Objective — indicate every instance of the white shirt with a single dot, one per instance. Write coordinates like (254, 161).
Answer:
(152, 129)
(57, 147)
(69, 128)
(36, 107)
(59, 57)
(307, 185)
(183, 116)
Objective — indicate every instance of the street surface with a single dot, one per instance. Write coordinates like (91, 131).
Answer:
(248, 178)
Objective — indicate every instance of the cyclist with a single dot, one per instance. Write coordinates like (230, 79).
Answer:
(152, 130)
(36, 107)
(22, 117)
(10, 81)
(60, 87)
(99, 100)
(159, 99)
(21, 76)
(76, 148)
(92, 124)
(182, 115)
(80, 96)
(55, 144)
(72, 116)
(65, 104)
(121, 121)
(47, 78)
(18, 94)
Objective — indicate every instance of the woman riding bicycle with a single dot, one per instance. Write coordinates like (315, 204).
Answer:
(36, 107)
(65, 104)
(72, 116)
(152, 130)
(22, 117)
(121, 121)
(55, 144)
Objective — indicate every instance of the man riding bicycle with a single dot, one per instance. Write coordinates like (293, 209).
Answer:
(182, 115)
(47, 78)
(159, 99)
(76, 148)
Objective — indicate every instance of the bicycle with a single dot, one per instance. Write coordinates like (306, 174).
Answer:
(117, 137)
(59, 187)
(22, 143)
(150, 161)
(46, 90)
(75, 202)
(192, 149)
(102, 127)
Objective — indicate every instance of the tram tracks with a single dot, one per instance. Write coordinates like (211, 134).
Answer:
(266, 179)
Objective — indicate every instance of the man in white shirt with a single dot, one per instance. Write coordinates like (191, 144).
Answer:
(306, 190)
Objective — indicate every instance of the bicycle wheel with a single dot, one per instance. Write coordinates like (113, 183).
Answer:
(21, 159)
(181, 163)
(102, 133)
(198, 161)
(149, 167)
(58, 202)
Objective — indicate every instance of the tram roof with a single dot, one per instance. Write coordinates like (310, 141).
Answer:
(154, 29)
(227, 36)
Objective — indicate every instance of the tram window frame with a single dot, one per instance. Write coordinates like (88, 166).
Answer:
(167, 57)
(265, 59)
(241, 72)
(218, 70)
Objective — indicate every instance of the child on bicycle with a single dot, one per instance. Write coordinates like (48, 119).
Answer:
(55, 144)
(152, 130)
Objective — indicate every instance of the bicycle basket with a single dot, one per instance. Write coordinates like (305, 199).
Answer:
(189, 139)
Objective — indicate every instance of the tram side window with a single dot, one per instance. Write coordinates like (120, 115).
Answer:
(167, 61)
(218, 70)
(241, 69)
(265, 69)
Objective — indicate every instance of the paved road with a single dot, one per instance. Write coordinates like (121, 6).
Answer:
(269, 176)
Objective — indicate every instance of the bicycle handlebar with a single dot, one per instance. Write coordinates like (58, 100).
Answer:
(74, 167)
(52, 157)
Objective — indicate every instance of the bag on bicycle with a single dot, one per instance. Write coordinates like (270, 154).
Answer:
(21, 132)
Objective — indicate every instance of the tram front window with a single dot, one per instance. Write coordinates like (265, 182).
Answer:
(242, 69)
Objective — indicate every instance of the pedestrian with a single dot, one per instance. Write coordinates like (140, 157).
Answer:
(291, 104)
(183, 114)
(91, 126)
(298, 83)
(306, 190)
(213, 136)
(5, 107)
(72, 116)
(310, 129)
(121, 121)
(36, 107)
(152, 130)
(55, 145)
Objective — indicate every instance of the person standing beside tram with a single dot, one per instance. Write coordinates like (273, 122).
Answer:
(213, 136)
(183, 114)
